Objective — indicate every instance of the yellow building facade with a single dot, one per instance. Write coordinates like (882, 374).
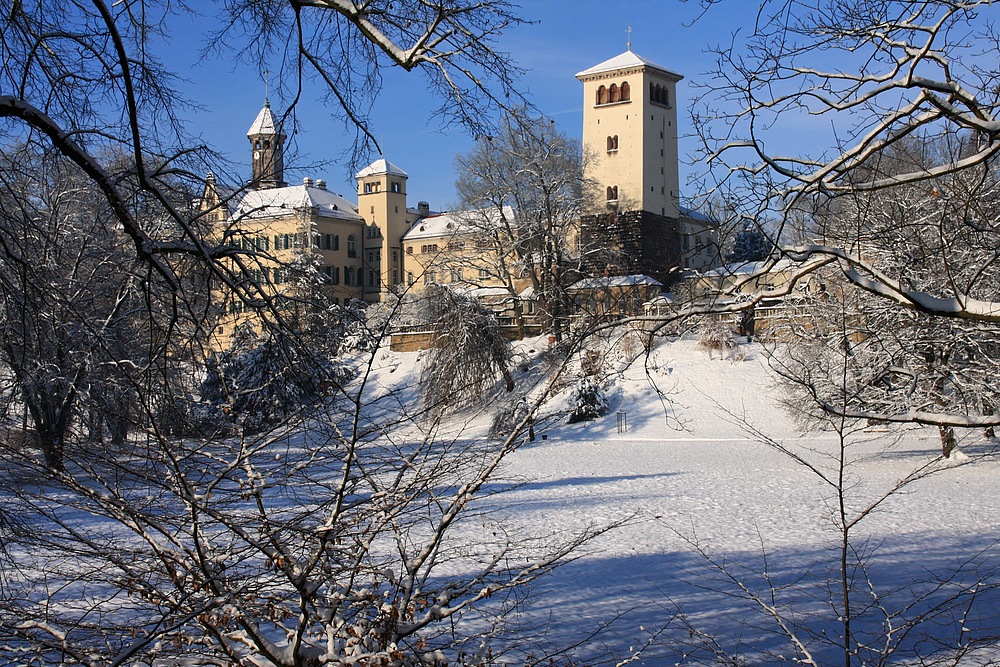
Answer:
(381, 246)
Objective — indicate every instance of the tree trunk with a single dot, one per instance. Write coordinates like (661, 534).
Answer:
(948, 440)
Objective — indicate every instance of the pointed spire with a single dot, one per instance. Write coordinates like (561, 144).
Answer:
(265, 123)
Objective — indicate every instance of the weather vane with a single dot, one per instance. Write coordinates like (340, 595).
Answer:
(267, 91)
(628, 33)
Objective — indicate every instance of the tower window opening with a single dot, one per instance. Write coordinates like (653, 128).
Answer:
(626, 92)
(602, 95)
(613, 143)
(612, 193)
(614, 93)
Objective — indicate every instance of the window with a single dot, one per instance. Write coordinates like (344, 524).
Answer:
(368, 188)
(409, 277)
(409, 250)
(428, 277)
(659, 94)
(395, 276)
(484, 274)
(349, 278)
(395, 188)
(613, 143)
(626, 92)
(602, 95)
(612, 193)
(614, 95)
(456, 245)
(371, 278)
(352, 246)
(484, 243)
(329, 242)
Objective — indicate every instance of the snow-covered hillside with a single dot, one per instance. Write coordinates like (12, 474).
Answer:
(694, 471)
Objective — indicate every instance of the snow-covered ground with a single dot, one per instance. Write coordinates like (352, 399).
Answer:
(689, 475)
(725, 545)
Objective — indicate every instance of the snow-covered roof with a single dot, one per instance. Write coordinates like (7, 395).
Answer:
(605, 282)
(692, 214)
(381, 166)
(264, 123)
(274, 202)
(624, 61)
(750, 268)
(456, 223)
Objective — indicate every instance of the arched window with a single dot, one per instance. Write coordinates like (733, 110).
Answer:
(349, 276)
(352, 246)
(612, 193)
(615, 94)
(602, 95)
(626, 92)
(611, 144)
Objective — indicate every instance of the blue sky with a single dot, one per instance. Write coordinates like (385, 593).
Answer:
(568, 36)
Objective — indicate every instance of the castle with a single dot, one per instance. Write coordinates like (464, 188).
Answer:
(382, 245)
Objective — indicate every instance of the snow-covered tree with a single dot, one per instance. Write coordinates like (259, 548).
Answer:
(901, 178)
(468, 351)
(352, 541)
(908, 365)
(588, 401)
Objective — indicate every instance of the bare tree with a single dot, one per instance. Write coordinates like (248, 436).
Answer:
(355, 540)
(527, 181)
(904, 78)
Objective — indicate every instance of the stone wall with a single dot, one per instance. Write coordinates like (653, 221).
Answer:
(631, 242)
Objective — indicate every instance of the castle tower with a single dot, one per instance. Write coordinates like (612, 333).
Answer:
(630, 129)
(268, 152)
(382, 203)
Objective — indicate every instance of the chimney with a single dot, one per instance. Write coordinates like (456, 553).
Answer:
(321, 184)
(423, 208)
(307, 182)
